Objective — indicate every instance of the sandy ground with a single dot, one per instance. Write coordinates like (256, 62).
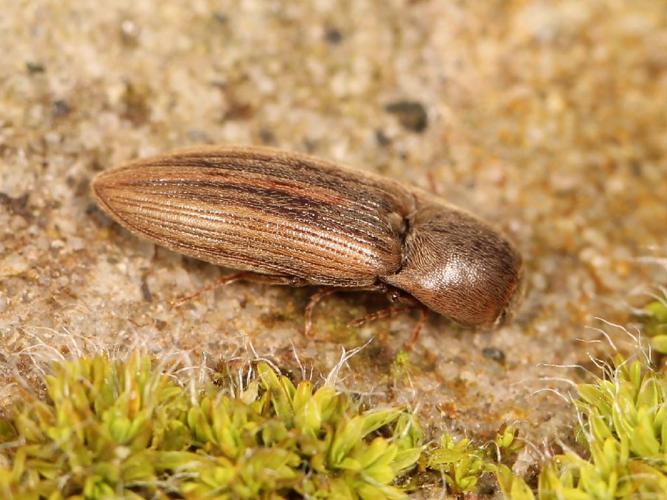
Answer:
(550, 120)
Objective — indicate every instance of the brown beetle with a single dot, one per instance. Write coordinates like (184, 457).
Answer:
(297, 220)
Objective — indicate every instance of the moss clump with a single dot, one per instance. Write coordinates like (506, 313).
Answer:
(623, 429)
(112, 429)
(461, 463)
(656, 325)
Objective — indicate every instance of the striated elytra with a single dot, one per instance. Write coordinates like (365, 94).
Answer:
(300, 221)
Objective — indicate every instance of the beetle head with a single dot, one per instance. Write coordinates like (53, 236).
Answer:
(458, 266)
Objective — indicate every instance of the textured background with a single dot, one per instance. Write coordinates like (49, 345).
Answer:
(549, 119)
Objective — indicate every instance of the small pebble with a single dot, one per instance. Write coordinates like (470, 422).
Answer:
(146, 291)
(34, 67)
(17, 205)
(381, 138)
(221, 17)
(266, 136)
(13, 265)
(495, 354)
(61, 108)
(76, 243)
(411, 114)
(129, 32)
(333, 36)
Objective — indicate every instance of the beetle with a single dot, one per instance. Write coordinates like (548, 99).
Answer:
(292, 219)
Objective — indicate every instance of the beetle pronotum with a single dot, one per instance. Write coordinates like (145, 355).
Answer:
(296, 220)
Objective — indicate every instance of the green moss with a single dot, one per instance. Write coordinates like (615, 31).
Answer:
(461, 463)
(624, 428)
(400, 366)
(114, 429)
(656, 325)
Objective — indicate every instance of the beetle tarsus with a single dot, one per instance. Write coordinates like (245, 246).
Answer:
(386, 312)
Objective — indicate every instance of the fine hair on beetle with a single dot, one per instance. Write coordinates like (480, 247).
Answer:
(291, 219)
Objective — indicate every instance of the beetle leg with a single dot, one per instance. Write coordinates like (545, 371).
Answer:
(432, 183)
(314, 300)
(325, 292)
(409, 344)
(221, 281)
(266, 279)
(393, 310)
(400, 300)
